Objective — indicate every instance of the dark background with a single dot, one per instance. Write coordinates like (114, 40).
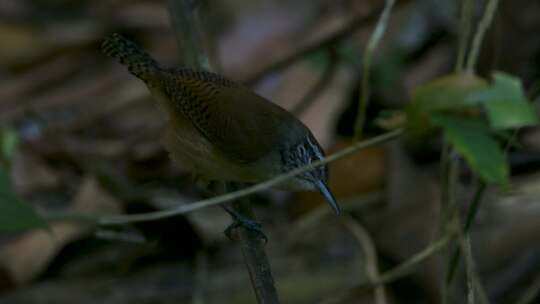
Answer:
(89, 143)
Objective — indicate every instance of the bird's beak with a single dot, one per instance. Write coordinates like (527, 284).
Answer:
(323, 188)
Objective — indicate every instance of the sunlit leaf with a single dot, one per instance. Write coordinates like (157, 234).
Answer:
(472, 139)
(15, 214)
(505, 103)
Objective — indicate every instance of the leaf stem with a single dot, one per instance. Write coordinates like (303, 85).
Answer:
(373, 42)
(370, 254)
(473, 280)
(471, 215)
(483, 25)
(464, 33)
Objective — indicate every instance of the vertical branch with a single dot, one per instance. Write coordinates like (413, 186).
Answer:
(448, 213)
(473, 280)
(464, 33)
(373, 42)
(448, 181)
(465, 246)
(255, 258)
(471, 215)
(184, 20)
(484, 24)
(211, 21)
(370, 253)
(444, 180)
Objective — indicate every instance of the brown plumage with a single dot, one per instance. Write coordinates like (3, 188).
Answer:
(220, 129)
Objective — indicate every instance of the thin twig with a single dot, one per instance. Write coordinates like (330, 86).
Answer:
(151, 216)
(406, 267)
(313, 218)
(208, 14)
(370, 254)
(473, 279)
(184, 18)
(465, 246)
(255, 257)
(473, 209)
(464, 33)
(399, 271)
(471, 215)
(373, 42)
(332, 39)
(484, 24)
(444, 185)
(184, 22)
(452, 216)
(445, 203)
(326, 76)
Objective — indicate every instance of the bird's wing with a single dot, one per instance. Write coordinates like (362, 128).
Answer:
(240, 124)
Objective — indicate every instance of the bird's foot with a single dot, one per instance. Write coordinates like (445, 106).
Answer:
(244, 222)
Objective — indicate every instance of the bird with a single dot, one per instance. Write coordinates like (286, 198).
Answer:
(220, 129)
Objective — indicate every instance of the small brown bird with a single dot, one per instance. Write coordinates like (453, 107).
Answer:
(223, 131)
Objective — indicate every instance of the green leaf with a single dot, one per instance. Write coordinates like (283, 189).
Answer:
(444, 94)
(15, 215)
(472, 139)
(505, 103)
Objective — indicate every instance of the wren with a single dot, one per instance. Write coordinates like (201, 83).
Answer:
(221, 130)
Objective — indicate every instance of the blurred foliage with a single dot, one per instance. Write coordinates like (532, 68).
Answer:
(471, 137)
(452, 103)
(389, 68)
(91, 146)
(319, 59)
(8, 144)
(15, 214)
(441, 95)
(505, 103)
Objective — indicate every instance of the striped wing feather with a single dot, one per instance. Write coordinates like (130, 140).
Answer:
(242, 125)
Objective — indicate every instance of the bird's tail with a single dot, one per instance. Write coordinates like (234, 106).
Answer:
(139, 63)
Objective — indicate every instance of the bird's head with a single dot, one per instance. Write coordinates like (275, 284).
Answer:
(306, 151)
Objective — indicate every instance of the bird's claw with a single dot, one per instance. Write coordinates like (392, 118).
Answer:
(244, 222)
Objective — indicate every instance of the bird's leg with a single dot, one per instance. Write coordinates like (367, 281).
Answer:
(241, 216)
(240, 220)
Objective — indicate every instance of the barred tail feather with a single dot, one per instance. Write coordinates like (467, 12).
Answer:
(139, 63)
